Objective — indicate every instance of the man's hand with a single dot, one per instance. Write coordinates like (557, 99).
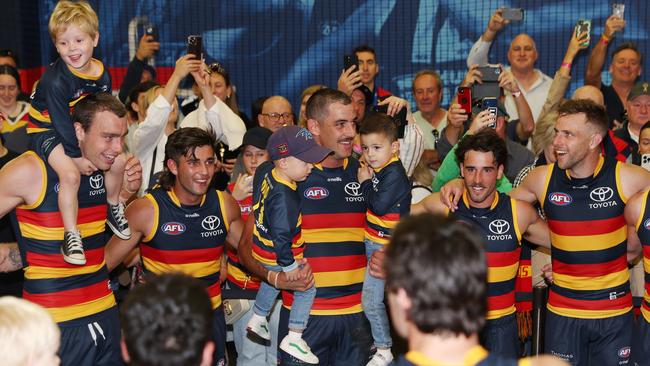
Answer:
(376, 264)
(472, 77)
(507, 81)
(480, 121)
(304, 282)
(132, 175)
(547, 272)
(612, 25)
(456, 115)
(395, 104)
(147, 47)
(349, 80)
(243, 187)
(495, 24)
(364, 173)
(84, 166)
(451, 193)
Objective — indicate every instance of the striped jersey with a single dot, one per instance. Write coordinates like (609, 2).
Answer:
(187, 239)
(643, 230)
(500, 231)
(277, 238)
(238, 275)
(67, 291)
(14, 129)
(589, 243)
(333, 222)
(388, 197)
(56, 94)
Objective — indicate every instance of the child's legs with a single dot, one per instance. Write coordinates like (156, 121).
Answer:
(69, 178)
(372, 301)
(300, 309)
(266, 295)
(113, 178)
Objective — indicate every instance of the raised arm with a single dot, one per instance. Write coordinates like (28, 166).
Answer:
(479, 52)
(599, 52)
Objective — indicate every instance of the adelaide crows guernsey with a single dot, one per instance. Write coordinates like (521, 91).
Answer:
(67, 291)
(643, 230)
(57, 92)
(475, 356)
(333, 222)
(589, 243)
(187, 239)
(238, 275)
(500, 231)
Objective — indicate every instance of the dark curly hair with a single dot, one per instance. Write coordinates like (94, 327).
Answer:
(167, 321)
(183, 142)
(441, 265)
(486, 140)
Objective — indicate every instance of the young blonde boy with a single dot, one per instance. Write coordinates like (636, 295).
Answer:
(28, 334)
(387, 192)
(73, 27)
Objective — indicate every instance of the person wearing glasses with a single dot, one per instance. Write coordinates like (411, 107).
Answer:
(276, 113)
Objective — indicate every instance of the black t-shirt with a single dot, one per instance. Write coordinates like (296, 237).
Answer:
(10, 283)
(613, 105)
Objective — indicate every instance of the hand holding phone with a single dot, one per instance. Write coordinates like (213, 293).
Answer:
(152, 31)
(491, 105)
(618, 10)
(584, 26)
(465, 98)
(350, 61)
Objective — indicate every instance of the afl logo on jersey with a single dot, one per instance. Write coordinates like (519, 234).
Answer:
(173, 228)
(316, 193)
(560, 199)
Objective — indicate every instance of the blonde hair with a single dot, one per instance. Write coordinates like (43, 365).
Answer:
(27, 332)
(78, 13)
(544, 132)
(149, 96)
(422, 175)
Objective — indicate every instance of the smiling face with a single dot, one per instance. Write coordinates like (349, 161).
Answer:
(193, 172)
(8, 91)
(626, 66)
(573, 140)
(480, 172)
(336, 131)
(427, 94)
(76, 48)
(103, 140)
(377, 149)
(219, 86)
(522, 54)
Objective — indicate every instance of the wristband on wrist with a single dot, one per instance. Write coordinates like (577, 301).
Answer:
(604, 40)
(275, 282)
(603, 36)
(566, 65)
(516, 94)
(268, 277)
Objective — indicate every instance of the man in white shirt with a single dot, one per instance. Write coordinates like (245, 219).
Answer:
(430, 117)
(522, 56)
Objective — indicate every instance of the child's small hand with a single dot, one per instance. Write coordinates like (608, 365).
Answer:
(84, 165)
(293, 275)
(364, 173)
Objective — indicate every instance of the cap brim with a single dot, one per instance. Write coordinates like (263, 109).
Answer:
(314, 155)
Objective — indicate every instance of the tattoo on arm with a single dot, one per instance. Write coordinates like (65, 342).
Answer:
(14, 261)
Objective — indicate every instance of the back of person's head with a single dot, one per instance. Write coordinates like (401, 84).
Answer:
(183, 142)
(85, 110)
(166, 322)
(318, 104)
(486, 140)
(256, 107)
(77, 13)
(628, 46)
(9, 57)
(28, 334)
(379, 123)
(441, 266)
(595, 114)
(149, 96)
(544, 132)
